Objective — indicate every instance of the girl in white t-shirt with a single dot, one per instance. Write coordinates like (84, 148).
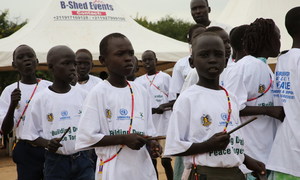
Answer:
(116, 118)
(201, 116)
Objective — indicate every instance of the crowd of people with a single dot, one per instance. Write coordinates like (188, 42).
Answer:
(80, 127)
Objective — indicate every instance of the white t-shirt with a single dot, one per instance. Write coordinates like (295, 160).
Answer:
(198, 114)
(285, 153)
(158, 88)
(26, 92)
(180, 71)
(93, 81)
(248, 78)
(52, 113)
(107, 111)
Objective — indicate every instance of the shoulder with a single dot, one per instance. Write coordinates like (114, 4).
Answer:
(181, 62)
(163, 74)
(10, 88)
(95, 78)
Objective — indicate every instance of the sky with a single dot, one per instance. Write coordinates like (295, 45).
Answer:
(153, 10)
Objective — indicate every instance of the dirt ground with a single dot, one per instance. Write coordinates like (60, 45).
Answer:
(8, 168)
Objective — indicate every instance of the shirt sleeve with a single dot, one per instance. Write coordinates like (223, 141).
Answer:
(178, 129)
(177, 79)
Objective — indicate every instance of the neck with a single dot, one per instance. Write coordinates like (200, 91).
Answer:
(29, 79)
(117, 81)
(60, 87)
(83, 78)
(239, 55)
(152, 72)
(296, 44)
(209, 83)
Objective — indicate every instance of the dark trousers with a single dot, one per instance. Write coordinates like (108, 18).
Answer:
(78, 166)
(29, 160)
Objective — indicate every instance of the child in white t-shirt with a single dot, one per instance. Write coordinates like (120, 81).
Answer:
(285, 153)
(117, 116)
(201, 116)
(15, 99)
(84, 64)
(157, 85)
(250, 79)
(52, 112)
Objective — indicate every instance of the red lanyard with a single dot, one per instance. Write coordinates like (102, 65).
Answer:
(225, 128)
(129, 130)
(26, 106)
(151, 83)
(263, 93)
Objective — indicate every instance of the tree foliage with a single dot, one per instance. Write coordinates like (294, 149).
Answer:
(8, 27)
(168, 26)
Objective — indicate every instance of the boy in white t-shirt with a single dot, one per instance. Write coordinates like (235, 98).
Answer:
(285, 153)
(157, 85)
(117, 116)
(52, 112)
(250, 79)
(84, 64)
(14, 102)
(201, 116)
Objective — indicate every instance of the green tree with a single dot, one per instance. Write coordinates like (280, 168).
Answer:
(8, 27)
(168, 26)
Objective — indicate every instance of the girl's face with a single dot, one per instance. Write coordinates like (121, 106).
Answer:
(149, 61)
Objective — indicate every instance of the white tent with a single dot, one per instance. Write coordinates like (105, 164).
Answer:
(238, 12)
(82, 24)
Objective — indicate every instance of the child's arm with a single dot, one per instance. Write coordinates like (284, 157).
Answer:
(272, 111)
(218, 141)
(133, 141)
(8, 121)
(256, 166)
(52, 145)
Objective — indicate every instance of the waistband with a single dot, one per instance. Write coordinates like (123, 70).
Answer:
(70, 156)
(218, 170)
(27, 142)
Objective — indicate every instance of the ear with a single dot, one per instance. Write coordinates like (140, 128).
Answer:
(50, 67)
(37, 61)
(102, 60)
(14, 65)
(209, 9)
(191, 62)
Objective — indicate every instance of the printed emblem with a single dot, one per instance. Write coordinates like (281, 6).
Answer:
(123, 112)
(261, 88)
(79, 111)
(64, 113)
(108, 113)
(141, 115)
(224, 116)
(50, 117)
(205, 120)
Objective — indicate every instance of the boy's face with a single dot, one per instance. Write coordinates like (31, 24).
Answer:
(225, 37)
(149, 61)
(199, 11)
(208, 56)
(83, 64)
(25, 60)
(63, 66)
(119, 59)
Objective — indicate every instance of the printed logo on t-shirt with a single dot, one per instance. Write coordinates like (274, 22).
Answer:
(139, 116)
(50, 117)
(64, 115)
(206, 120)
(261, 88)
(123, 114)
(108, 113)
(224, 117)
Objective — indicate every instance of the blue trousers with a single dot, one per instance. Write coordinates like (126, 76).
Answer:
(29, 161)
(78, 166)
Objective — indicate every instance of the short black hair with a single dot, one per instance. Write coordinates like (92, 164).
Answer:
(151, 52)
(214, 29)
(292, 21)
(191, 31)
(14, 53)
(104, 42)
(236, 37)
(84, 51)
(258, 35)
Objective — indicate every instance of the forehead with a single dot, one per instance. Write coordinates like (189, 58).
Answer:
(24, 49)
(83, 56)
(116, 44)
(197, 3)
(208, 42)
(148, 54)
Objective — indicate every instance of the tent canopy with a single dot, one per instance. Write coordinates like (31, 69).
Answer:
(82, 24)
(238, 12)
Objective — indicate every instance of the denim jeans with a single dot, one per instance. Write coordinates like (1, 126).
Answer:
(78, 166)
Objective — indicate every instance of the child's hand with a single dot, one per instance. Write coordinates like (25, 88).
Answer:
(134, 141)
(155, 149)
(256, 166)
(157, 111)
(218, 141)
(276, 112)
(54, 144)
(15, 97)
